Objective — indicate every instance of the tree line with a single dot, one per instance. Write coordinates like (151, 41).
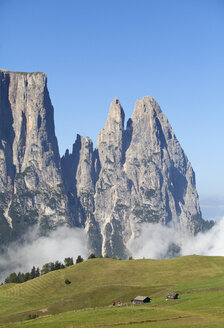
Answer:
(48, 267)
(36, 272)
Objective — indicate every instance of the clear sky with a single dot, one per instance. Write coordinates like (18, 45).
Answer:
(95, 50)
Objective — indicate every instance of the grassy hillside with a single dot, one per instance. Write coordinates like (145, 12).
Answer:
(96, 283)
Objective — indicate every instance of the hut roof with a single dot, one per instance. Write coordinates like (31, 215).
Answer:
(172, 294)
(140, 298)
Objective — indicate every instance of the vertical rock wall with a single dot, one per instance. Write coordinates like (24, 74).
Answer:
(135, 175)
(31, 186)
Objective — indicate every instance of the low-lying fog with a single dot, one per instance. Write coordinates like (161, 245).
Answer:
(155, 241)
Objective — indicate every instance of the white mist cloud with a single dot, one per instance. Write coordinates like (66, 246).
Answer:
(155, 241)
(209, 243)
(61, 243)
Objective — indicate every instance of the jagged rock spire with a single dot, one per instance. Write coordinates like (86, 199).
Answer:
(109, 142)
(134, 176)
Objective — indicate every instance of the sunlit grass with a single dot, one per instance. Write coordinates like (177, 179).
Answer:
(96, 283)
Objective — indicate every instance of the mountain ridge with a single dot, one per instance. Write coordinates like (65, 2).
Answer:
(134, 175)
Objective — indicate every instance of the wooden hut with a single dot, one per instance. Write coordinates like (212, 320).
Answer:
(141, 300)
(172, 296)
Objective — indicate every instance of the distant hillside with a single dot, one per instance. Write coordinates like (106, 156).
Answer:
(96, 283)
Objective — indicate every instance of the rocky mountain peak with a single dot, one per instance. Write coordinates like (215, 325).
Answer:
(134, 176)
(109, 142)
(116, 113)
(146, 107)
(31, 187)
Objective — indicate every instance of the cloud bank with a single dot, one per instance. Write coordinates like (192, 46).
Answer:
(61, 243)
(157, 241)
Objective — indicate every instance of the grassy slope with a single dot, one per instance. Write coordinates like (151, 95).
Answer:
(96, 283)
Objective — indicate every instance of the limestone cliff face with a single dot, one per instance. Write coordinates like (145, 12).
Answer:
(79, 173)
(144, 177)
(31, 186)
(112, 185)
(163, 180)
(135, 175)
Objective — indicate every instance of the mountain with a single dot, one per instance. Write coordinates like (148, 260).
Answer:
(31, 186)
(135, 175)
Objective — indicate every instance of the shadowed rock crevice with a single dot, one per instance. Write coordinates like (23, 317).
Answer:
(22, 141)
(96, 166)
(48, 117)
(179, 187)
(127, 135)
(160, 134)
(7, 134)
(69, 164)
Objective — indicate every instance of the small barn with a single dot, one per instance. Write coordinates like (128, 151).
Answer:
(141, 300)
(172, 296)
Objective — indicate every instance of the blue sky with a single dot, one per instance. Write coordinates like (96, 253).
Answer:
(95, 50)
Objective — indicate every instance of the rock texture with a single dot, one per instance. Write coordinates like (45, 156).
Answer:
(135, 175)
(112, 192)
(31, 187)
(145, 176)
(163, 180)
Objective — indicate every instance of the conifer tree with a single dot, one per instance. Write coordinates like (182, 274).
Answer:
(79, 259)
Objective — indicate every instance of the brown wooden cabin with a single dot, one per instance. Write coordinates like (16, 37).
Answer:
(172, 296)
(141, 300)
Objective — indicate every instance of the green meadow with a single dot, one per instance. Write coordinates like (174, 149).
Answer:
(96, 283)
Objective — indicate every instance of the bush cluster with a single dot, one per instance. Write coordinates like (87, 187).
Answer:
(32, 316)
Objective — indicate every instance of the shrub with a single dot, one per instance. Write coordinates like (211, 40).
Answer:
(79, 259)
(68, 261)
(32, 316)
